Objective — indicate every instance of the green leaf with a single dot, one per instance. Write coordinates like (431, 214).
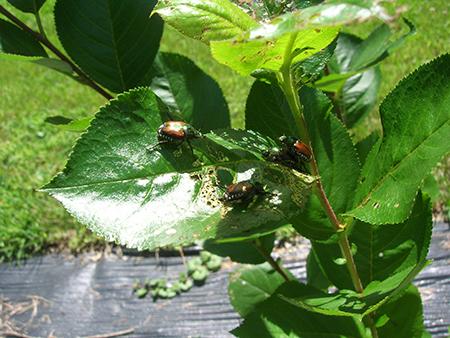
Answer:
(332, 82)
(263, 10)
(315, 274)
(382, 250)
(28, 6)
(333, 148)
(18, 44)
(56, 64)
(378, 46)
(388, 188)
(364, 146)
(250, 286)
(359, 93)
(260, 49)
(69, 124)
(205, 20)
(113, 43)
(430, 186)
(267, 111)
(347, 302)
(279, 317)
(405, 318)
(169, 196)
(240, 251)
(337, 161)
(188, 91)
(311, 68)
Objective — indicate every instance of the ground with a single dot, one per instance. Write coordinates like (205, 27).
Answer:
(31, 151)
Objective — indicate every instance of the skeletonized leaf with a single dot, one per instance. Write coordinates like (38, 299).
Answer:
(268, 112)
(169, 196)
(205, 20)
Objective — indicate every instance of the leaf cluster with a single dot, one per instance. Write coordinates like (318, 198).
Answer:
(359, 203)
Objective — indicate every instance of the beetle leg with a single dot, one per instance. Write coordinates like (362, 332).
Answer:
(192, 149)
(156, 145)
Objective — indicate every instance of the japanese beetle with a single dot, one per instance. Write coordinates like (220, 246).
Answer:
(176, 133)
(242, 192)
(296, 148)
(281, 156)
(293, 153)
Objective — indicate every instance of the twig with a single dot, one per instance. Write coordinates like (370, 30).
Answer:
(57, 52)
(112, 334)
(11, 333)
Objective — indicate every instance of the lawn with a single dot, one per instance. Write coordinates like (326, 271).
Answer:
(31, 151)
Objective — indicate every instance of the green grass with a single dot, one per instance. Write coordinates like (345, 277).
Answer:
(31, 151)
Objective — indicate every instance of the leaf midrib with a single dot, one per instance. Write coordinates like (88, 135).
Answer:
(218, 164)
(115, 50)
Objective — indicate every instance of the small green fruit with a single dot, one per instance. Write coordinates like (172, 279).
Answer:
(141, 293)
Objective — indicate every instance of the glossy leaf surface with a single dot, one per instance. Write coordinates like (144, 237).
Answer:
(381, 250)
(356, 96)
(188, 91)
(250, 286)
(205, 20)
(112, 41)
(398, 163)
(345, 303)
(28, 6)
(148, 198)
(17, 44)
(279, 317)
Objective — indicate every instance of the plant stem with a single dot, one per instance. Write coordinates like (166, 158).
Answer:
(42, 39)
(287, 85)
(269, 259)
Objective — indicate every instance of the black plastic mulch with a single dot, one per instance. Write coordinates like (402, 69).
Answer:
(87, 298)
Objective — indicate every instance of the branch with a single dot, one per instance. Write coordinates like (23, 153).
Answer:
(41, 38)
